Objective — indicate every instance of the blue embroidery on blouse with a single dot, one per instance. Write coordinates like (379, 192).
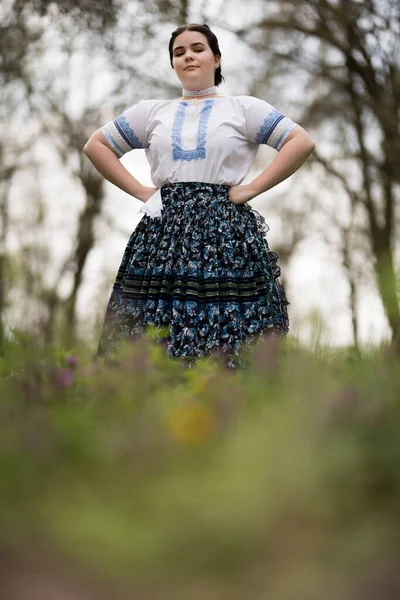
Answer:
(268, 127)
(127, 132)
(178, 153)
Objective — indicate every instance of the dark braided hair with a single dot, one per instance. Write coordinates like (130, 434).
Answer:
(212, 42)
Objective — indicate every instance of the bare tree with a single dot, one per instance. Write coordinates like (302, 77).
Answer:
(43, 99)
(22, 28)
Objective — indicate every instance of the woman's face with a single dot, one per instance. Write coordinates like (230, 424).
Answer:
(194, 61)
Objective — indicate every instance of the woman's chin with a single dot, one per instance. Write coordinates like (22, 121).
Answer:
(192, 82)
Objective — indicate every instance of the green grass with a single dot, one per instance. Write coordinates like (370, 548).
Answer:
(280, 481)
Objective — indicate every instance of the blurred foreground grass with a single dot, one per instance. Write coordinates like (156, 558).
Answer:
(142, 479)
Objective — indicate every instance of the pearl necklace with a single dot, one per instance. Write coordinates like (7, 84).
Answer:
(196, 93)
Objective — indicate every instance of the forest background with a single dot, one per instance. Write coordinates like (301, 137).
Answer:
(138, 478)
(331, 65)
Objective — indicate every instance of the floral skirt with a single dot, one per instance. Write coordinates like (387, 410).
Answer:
(203, 274)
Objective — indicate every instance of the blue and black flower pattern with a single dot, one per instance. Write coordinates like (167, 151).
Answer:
(203, 272)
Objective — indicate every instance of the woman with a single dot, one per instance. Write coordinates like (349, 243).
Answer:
(198, 265)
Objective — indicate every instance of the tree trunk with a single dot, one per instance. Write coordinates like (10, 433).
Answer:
(94, 186)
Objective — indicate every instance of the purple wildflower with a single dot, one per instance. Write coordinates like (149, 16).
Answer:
(72, 361)
(65, 377)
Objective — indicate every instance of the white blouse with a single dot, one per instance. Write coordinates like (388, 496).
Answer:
(211, 140)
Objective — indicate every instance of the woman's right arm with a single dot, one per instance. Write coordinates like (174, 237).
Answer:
(107, 163)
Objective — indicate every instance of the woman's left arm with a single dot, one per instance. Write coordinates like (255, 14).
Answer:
(294, 152)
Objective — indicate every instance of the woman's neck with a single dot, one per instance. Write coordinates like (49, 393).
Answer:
(200, 97)
(201, 92)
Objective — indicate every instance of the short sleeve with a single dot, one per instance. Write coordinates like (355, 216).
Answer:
(129, 130)
(264, 123)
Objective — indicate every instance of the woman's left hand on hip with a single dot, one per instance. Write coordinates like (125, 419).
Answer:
(240, 194)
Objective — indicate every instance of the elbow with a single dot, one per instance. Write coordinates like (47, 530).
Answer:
(306, 139)
(308, 144)
(303, 140)
(86, 148)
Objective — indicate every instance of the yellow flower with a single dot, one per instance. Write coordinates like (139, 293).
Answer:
(199, 384)
(190, 423)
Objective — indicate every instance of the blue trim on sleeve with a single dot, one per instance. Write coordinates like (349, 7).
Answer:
(284, 135)
(268, 126)
(127, 133)
(178, 153)
(112, 142)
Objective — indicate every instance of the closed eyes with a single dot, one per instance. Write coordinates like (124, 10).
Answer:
(197, 50)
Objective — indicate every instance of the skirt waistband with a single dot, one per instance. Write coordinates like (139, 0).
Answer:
(196, 185)
(154, 205)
